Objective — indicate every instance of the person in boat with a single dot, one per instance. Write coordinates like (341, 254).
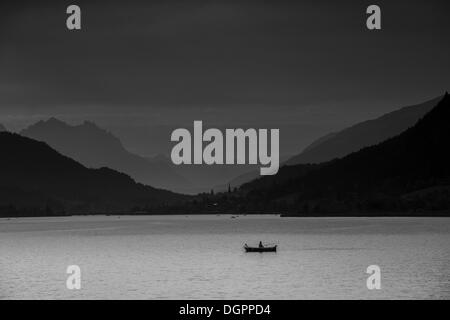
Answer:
(261, 245)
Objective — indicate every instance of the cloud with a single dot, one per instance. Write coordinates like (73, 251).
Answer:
(232, 55)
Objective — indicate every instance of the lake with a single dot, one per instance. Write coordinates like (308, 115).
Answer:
(202, 257)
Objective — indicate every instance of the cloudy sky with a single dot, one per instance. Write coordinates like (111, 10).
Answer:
(309, 64)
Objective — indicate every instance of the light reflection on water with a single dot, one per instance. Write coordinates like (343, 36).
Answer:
(201, 257)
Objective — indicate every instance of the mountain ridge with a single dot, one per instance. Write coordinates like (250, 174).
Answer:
(393, 175)
(35, 176)
(95, 147)
(362, 134)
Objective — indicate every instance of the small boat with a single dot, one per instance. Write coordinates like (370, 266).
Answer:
(260, 249)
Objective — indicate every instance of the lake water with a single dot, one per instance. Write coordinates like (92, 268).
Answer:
(201, 257)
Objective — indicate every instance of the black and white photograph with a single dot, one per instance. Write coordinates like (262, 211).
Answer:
(225, 150)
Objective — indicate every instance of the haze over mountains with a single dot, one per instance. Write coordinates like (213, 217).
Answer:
(366, 133)
(406, 173)
(37, 180)
(2, 128)
(205, 177)
(339, 144)
(96, 148)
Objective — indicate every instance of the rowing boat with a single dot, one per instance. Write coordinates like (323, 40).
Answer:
(260, 249)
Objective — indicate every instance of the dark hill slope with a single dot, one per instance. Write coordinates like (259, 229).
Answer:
(32, 175)
(390, 176)
(366, 133)
(95, 148)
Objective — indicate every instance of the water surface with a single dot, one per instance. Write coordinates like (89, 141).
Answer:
(201, 257)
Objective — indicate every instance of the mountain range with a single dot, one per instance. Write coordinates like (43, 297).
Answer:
(363, 134)
(37, 180)
(405, 174)
(366, 133)
(409, 172)
(95, 148)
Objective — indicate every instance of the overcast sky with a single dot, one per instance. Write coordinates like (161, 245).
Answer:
(165, 62)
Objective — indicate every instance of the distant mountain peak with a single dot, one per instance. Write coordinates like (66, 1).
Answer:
(91, 124)
(54, 123)
(54, 120)
(38, 180)
(49, 124)
(96, 147)
(60, 135)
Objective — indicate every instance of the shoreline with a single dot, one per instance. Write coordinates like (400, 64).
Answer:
(430, 214)
(380, 215)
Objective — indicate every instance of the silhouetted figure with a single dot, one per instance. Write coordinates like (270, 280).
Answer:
(261, 245)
